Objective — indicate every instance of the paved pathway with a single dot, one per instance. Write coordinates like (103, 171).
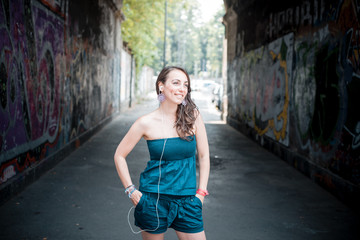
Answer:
(254, 194)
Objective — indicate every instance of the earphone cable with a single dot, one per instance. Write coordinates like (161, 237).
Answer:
(158, 197)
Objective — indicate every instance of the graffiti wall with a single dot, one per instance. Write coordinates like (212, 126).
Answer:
(59, 76)
(294, 80)
(260, 93)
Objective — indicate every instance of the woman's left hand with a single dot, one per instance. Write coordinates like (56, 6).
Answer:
(200, 197)
(135, 197)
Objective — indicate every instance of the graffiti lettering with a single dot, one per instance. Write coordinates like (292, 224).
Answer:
(308, 13)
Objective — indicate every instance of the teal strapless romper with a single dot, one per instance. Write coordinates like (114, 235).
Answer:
(178, 167)
(176, 205)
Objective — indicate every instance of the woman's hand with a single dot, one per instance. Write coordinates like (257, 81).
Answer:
(200, 197)
(135, 197)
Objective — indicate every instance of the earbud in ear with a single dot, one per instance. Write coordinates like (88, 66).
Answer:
(161, 88)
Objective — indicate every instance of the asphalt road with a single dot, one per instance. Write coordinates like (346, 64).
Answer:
(253, 194)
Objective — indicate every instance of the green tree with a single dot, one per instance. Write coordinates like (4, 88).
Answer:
(194, 45)
(183, 44)
(190, 44)
(216, 31)
(142, 29)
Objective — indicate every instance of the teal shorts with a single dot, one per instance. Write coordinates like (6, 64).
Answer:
(182, 213)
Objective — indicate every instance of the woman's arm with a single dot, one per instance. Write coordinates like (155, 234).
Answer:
(126, 145)
(203, 154)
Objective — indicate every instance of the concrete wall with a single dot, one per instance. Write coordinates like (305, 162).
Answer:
(147, 82)
(293, 85)
(127, 78)
(60, 80)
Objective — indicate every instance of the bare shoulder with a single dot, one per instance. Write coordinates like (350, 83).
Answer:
(147, 120)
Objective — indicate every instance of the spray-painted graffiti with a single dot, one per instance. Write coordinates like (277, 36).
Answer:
(56, 77)
(264, 78)
(316, 95)
(31, 71)
(90, 67)
(308, 13)
(302, 90)
(326, 87)
(304, 87)
(346, 160)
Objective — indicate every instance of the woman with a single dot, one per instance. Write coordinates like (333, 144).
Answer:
(167, 195)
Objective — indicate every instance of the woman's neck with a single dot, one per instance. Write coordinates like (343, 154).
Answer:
(168, 109)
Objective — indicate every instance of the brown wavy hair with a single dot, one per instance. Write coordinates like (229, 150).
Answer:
(185, 115)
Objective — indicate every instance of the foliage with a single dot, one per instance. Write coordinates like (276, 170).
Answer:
(142, 28)
(193, 45)
(216, 31)
(183, 40)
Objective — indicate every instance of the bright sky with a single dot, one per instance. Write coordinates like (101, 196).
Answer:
(210, 7)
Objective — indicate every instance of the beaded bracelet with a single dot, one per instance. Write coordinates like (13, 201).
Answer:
(202, 192)
(129, 190)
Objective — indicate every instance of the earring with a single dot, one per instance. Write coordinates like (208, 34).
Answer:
(184, 102)
(161, 97)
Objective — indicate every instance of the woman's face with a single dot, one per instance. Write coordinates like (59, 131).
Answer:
(175, 87)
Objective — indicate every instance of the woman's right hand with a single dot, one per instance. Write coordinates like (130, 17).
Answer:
(135, 197)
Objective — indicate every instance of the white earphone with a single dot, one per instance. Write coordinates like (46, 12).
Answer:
(158, 188)
(161, 88)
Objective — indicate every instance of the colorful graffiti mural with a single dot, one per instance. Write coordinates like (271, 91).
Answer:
(300, 88)
(56, 77)
(316, 94)
(31, 72)
(263, 97)
(328, 129)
